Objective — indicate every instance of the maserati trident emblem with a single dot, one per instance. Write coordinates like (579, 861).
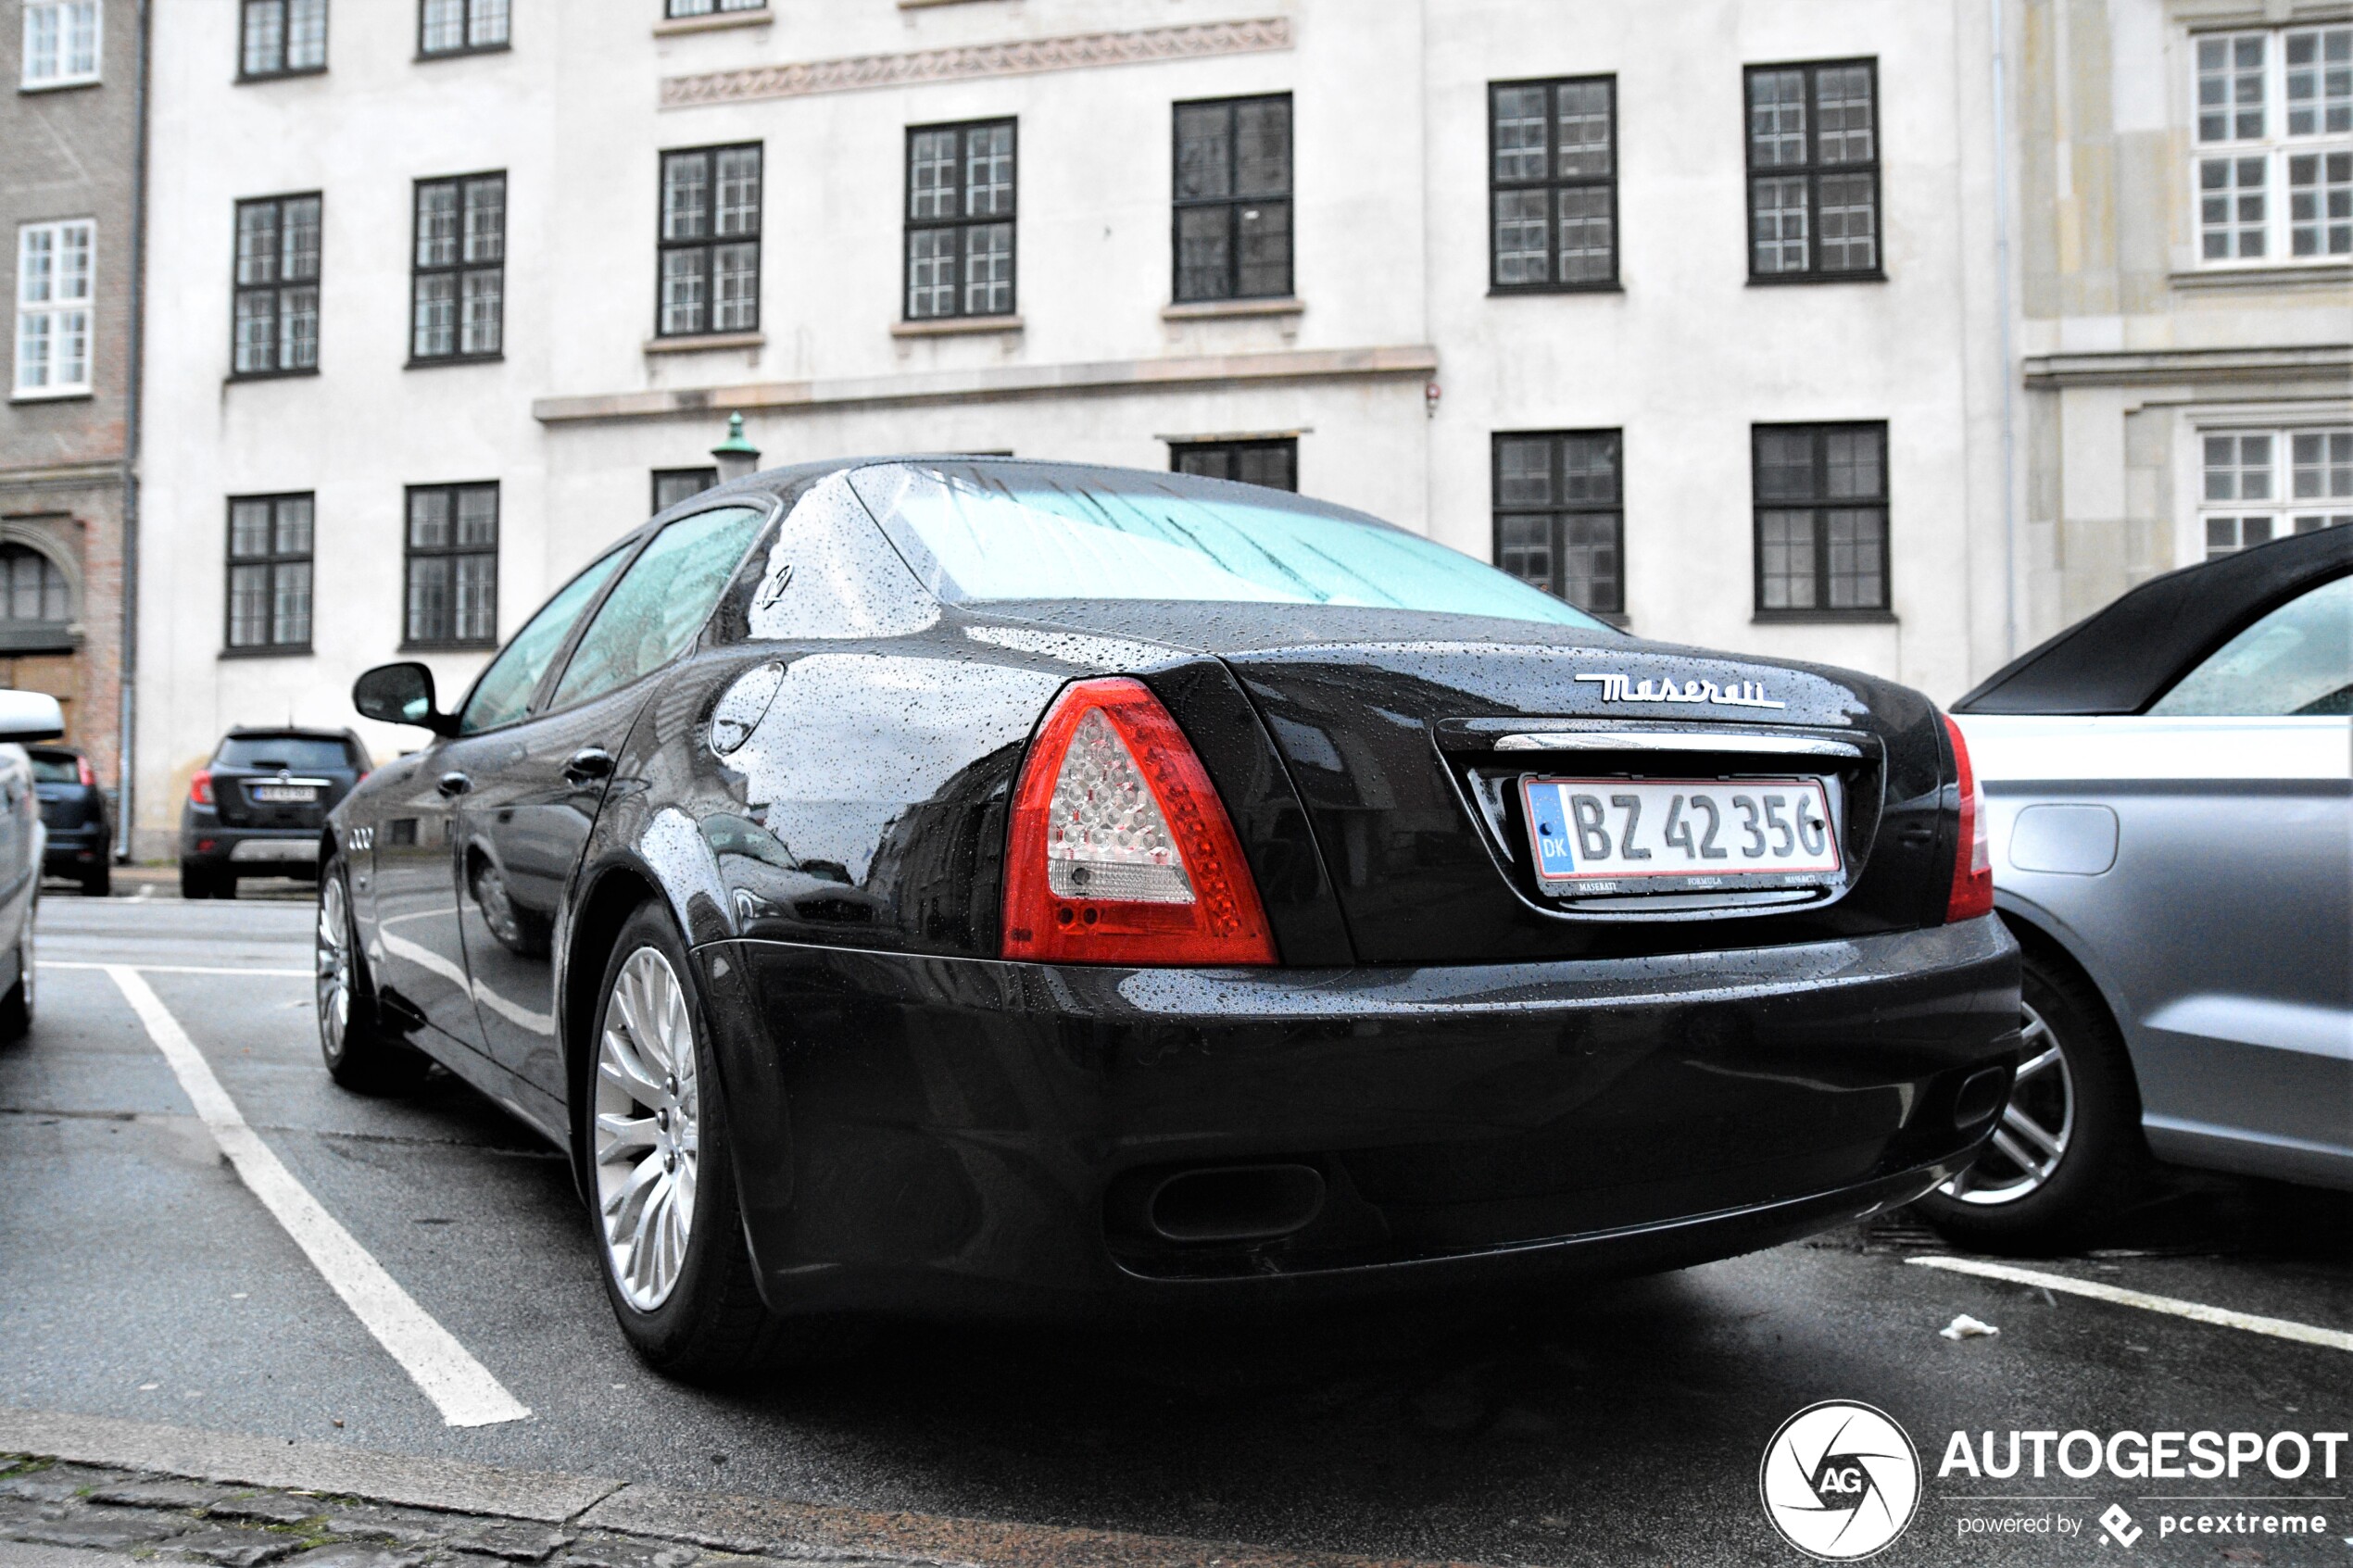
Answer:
(1737, 693)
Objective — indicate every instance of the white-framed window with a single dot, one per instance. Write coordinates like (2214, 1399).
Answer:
(2271, 166)
(2257, 485)
(56, 267)
(61, 43)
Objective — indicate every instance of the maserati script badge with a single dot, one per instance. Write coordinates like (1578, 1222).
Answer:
(1740, 693)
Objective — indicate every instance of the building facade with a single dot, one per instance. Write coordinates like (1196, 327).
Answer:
(1690, 313)
(68, 140)
(2186, 249)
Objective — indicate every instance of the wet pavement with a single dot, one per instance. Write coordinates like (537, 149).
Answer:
(1616, 1424)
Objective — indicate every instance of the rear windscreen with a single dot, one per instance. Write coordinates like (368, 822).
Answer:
(980, 533)
(295, 753)
(53, 769)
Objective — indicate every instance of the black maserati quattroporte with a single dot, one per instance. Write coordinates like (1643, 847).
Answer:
(940, 885)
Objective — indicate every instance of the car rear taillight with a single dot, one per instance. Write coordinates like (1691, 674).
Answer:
(200, 788)
(82, 772)
(1972, 892)
(1120, 851)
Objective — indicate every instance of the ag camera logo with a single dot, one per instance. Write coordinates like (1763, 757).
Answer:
(1840, 1480)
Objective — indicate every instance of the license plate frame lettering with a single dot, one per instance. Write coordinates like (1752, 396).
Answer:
(1689, 835)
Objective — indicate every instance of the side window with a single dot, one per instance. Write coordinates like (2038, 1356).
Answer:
(504, 691)
(2296, 661)
(660, 603)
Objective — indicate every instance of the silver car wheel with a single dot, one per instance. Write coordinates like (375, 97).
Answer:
(649, 1133)
(332, 951)
(2036, 1125)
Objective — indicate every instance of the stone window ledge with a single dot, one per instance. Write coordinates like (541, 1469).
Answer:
(1218, 309)
(2330, 275)
(703, 343)
(718, 22)
(956, 326)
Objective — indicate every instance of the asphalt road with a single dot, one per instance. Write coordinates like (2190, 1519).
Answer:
(1621, 1423)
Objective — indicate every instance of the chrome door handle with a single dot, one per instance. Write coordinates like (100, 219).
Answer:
(589, 762)
(454, 784)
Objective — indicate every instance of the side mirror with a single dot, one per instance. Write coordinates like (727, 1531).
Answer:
(28, 716)
(401, 693)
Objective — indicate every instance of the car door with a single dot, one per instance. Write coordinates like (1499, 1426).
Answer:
(2239, 857)
(525, 826)
(421, 957)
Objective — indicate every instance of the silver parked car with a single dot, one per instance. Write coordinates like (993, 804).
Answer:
(2170, 789)
(24, 717)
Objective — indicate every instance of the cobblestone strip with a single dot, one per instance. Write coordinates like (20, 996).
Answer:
(177, 1495)
(48, 1503)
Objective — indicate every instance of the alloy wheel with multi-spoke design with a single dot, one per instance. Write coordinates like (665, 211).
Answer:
(332, 951)
(2037, 1125)
(648, 1131)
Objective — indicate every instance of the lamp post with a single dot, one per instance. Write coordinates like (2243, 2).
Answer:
(736, 457)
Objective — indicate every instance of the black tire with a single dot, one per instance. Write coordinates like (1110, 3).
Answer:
(195, 882)
(711, 1328)
(2106, 1164)
(224, 885)
(98, 882)
(360, 1054)
(16, 1005)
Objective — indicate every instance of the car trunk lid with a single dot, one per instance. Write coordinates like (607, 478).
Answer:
(1414, 761)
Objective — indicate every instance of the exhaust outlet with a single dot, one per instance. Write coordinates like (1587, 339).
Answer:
(1236, 1203)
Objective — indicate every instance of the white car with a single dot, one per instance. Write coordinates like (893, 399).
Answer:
(24, 717)
(2169, 788)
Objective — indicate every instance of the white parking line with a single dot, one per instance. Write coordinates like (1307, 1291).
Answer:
(461, 1386)
(175, 969)
(2197, 1312)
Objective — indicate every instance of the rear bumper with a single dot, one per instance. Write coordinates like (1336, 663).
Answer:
(251, 851)
(927, 1135)
(75, 849)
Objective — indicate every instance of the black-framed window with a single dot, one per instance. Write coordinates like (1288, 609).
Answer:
(276, 303)
(1553, 184)
(710, 271)
(1272, 461)
(269, 584)
(1560, 514)
(36, 602)
(461, 27)
(1821, 518)
(457, 284)
(1813, 172)
(673, 485)
(677, 8)
(281, 38)
(450, 557)
(961, 191)
(1232, 223)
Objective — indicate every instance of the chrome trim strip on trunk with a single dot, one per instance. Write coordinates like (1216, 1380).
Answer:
(1661, 740)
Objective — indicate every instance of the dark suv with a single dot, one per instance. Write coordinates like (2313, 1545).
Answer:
(258, 807)
(74, 810)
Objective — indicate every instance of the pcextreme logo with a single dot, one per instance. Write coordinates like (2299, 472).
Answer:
(1840, 1480)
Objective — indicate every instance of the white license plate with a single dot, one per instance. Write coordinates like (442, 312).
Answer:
(275, 849)
(1590, 832)
(284, 794)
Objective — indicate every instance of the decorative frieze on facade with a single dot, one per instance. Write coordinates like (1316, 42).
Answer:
(1022, 58)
